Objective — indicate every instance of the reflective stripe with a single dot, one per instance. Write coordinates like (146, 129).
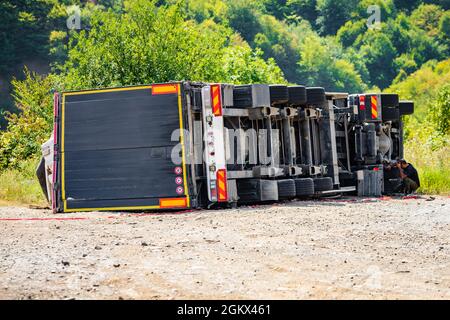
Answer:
(216, 102)
(172, 203)
(222, 185)
(164, 88)
(374, 103)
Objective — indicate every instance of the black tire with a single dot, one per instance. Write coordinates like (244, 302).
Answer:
(390, 114)
(278, 94)
(256, 190)
(269, 190)
(389, 100)
(304, 187)
(315, 96)
(391, 185)
(323, 184)
(40, 174)
(286, 189)
(242, 96)
(297, 95)
(406, 107)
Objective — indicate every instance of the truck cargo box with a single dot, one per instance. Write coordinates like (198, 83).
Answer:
(115, 150)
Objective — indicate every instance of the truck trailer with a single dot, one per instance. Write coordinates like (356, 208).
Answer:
(182, 145)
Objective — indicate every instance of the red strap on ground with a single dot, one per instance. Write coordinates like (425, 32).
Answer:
(40, 219)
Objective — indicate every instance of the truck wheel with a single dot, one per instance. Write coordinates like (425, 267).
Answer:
(304, 187)
(390, 114)
(315, 96)
(40, 173)
(278, 94)
(242, 96)
(391, 185)
(269, 190)
(406, 107)
(256, 190)
(389, 100)
(323, 184)
(286, 189)
(297, 95)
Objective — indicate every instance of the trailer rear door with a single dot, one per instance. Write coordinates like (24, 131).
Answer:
(116, 149)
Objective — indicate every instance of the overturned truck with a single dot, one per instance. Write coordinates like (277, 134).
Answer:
(199, 145)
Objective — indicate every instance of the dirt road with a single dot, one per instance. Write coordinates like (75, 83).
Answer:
(348, 248)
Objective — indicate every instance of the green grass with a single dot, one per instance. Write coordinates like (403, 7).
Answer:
(20, 186)
(433, 166)
(434, 180)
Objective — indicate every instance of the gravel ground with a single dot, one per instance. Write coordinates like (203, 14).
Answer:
(331, 249)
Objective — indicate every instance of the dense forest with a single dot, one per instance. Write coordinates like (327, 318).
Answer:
(50, 45)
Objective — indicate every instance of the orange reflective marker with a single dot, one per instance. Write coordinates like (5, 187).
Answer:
(216, 100)
(222, 193)
(164, 88)
(374, 103)
(172, 203)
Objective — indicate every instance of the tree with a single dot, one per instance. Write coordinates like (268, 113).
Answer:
(333, 14)
(28, 129)
(440, 111)
(427, 17)
(112, 53)
(307, 9)
(423, 85)
(243, 65)
(408, 5)
(444, 25)
(351, 32)
(320, 65)
(379, 54)
(243, 18)
(276, 41)
(24, 31)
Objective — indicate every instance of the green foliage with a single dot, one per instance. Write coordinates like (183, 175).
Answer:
(444, 25)
(333, 14)
(432, 165)
(20, 186)
(201, 10)
(401, 46)
(243, 65)
(113, 52)
(439, 113)
(351, 32)
(379, 54)
(427, 17)
(243, 17)
(427, 132)
(306, 9)
(321, 65)
(407, 5)
(276, 40)
(23, 31)
(423, 86)
(434, 180)
(28, 129)
(146, 44)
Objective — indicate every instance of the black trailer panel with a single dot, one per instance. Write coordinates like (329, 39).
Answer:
(116, 147)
